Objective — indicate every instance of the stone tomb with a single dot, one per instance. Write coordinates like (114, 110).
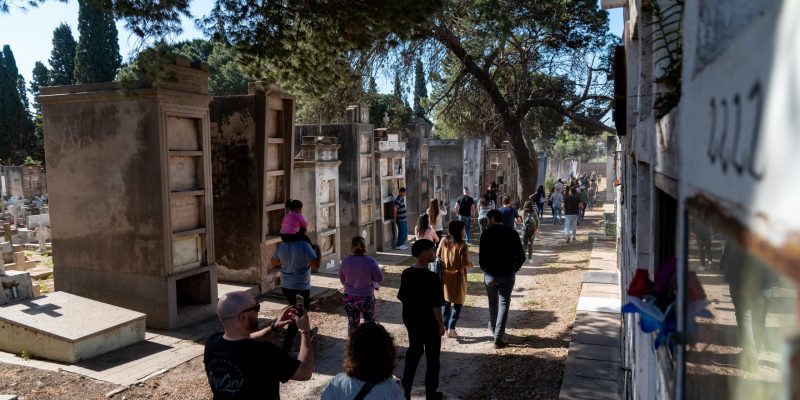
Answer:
(143, 157)
(357, 210)
(315, 182)
(252, 140)
(418, 197)
(390, 176)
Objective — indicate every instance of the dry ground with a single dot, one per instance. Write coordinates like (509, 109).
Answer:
(539, 329)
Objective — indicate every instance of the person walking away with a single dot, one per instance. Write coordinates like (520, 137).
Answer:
(465, 210)
(500, 256)
(422, 297)
(538, 199)
(423, 229)
(399, 216)
(510, 214)
(592, 192)
(454, 256)
(483, 208)
(436, 217)
(572, 206)
(242, 362)
(369, 361)
(584, 195)
(556, 201)
(296, 260)
(360, 275)
(530, 226)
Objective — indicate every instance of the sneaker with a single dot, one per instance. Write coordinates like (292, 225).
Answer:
(402, 247)
(500, 344)
(451, 333)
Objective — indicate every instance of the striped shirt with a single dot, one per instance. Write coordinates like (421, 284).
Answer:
(400, 205)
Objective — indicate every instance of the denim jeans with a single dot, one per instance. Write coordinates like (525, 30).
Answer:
(571, 225)
(450, 313)
(498, 289)
(540, 209)
(556, 212)
(402, 232)
(467, 221)
(291, 329)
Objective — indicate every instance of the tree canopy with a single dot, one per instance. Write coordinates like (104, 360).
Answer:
(62, 56)
(16, 131)
(97, 57)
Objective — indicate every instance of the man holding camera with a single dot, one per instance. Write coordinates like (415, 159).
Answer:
(242, 362)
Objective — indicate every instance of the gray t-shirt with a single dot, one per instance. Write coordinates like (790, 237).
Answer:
(343, 387)
(295, 269)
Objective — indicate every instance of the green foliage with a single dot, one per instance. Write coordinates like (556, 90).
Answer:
(97, 57)
(16, 129)
(570, 145)
(226, 75)
(23, 93)
(381, 104)
(667, 48)
(398, 86)
(40, 76)
(420, 89)
(62, 57)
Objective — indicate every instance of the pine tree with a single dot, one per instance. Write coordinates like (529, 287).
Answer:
(420, 90)
(97, 57)
(62, 57)
(16, 129)
(39, 77)
(373, 86)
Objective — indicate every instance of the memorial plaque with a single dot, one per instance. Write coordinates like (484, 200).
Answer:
(365, 166)
(182, 173)
(187, 252)
(274, 191)
(384, 166)
(366, 233)
(326, 188)
(363, 147)
(185, 212)
(182, 133)
(274, 157)
(366, 213)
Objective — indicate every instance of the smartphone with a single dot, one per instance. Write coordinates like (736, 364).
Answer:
(301, 305)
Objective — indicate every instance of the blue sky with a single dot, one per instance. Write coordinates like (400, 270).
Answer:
(30, 33)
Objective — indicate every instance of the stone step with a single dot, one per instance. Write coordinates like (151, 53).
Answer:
(67, 328)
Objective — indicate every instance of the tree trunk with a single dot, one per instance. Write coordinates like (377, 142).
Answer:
(527, 161)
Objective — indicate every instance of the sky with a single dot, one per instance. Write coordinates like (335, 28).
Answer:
(30, 33)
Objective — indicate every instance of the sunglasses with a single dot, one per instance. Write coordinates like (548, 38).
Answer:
(253, 308)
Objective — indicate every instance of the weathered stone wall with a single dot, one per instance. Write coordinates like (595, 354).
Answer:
(449, 155)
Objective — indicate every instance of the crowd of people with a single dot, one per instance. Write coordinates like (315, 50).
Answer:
(243, 362)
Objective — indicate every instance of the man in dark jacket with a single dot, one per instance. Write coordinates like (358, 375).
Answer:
(501, 256)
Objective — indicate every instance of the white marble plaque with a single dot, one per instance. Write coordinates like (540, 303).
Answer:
(185, 212)
(186, 252)
(182, 173)
(274, 157)
(182, 133)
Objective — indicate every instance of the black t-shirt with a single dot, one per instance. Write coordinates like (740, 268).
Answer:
(571, 205)
(465, 205)
(246, 369)
(420, 291)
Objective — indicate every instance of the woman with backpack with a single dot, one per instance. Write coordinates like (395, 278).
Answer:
(454, 261)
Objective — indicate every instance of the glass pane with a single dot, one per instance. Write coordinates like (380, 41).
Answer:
(739, 348)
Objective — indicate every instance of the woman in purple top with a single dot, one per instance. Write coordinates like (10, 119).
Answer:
(360, 275)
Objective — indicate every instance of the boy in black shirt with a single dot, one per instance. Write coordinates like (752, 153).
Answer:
(422, 297)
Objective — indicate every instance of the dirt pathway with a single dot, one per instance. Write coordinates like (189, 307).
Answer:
(539, 329)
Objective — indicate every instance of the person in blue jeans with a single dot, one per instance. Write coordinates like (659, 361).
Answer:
(465, 210)
(400, 217)
(500, 255)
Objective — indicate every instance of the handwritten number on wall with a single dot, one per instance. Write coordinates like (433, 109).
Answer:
(725, 142)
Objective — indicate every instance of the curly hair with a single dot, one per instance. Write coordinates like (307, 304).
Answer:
(369, 355)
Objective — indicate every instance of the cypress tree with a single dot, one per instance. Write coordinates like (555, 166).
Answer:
(23, 93)
(62, 57)
(420, 89)
(373, 86)
(398, 88)
(16, 129)
(39, 77)
(97, 57)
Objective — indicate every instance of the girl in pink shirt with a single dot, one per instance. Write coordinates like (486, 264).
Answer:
(294, 226)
